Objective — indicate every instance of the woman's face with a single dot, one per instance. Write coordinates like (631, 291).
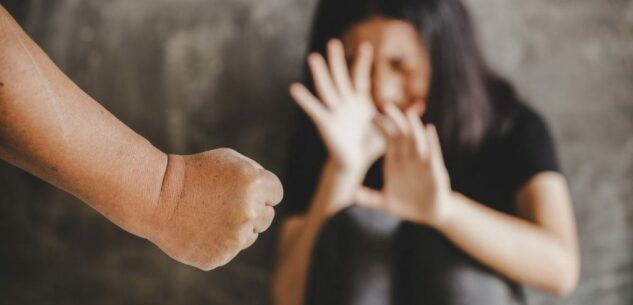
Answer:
(402, 70)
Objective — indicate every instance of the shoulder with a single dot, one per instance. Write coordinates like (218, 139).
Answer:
(524, 123)
(513, 118)
(530, 144)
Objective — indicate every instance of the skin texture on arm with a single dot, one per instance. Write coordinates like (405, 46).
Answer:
(52, 129)
(539, 249)
(200, 209)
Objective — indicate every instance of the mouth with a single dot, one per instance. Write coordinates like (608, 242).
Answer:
(418, 105)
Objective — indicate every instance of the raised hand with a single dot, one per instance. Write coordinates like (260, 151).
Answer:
(417, 186)
(212, 206)
(344, 111)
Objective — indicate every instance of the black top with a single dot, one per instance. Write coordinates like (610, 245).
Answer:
(425, 262)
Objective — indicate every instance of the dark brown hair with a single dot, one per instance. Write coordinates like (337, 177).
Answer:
(466, 99)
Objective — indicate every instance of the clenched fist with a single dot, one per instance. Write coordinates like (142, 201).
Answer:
(200, 209)
(212, 206)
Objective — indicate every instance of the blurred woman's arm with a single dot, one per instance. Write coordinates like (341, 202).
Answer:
(539, 250)
(343, 115)
(299, 233)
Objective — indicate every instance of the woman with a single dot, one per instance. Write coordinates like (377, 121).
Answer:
(467, 214)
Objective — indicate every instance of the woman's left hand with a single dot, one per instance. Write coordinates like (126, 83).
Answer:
(417, 186)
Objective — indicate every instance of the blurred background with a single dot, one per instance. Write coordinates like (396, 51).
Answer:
(192, 75)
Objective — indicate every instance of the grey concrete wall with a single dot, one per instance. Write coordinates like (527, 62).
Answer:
(197, 74)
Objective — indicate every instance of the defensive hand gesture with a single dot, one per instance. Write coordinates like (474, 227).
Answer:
(345, 110)
(417, 186)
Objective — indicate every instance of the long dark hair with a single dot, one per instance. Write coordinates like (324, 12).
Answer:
(466, 100)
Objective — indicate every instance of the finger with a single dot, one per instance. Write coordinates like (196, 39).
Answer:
(251, 238)
(435, 146)
(387, 128)
(403, 142)
(264, 219)
(371, 199)
(338, 66)
(362, 68)
(224, 261)
(418, 134)
(389, 132)
(323, 80)
(392, 134)
(308, 102)
(271, 188)
(398, 118)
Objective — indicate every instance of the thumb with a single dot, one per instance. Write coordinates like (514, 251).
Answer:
(370, 198)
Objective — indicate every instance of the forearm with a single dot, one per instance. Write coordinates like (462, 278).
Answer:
(334, 191)
(51, 128)
(516, 248)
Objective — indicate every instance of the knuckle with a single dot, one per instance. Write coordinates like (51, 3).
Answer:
(250, 214)
(210, 266)
(270, 176)
(252, 182)
(246, 170)
(246, 216)
(223, 260)
(244, 237)
(270, 215)
(240, 240)
(253, 239)
(267, 219)
(226, 150)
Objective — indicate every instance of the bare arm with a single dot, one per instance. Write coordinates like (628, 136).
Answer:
(52, 129)
(298, 234)
(539, 250)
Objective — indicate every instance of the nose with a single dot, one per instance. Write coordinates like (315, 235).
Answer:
(389, 87)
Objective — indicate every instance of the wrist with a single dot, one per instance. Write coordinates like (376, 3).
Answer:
(134, 208)
(319, 214)
(171, 188)
(446, 215)
(336, 188)
(349, 169)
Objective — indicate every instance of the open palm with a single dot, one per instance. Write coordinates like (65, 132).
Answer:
(417, 185)
(344, 111)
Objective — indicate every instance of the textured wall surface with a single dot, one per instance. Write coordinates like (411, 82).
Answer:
(197, 74)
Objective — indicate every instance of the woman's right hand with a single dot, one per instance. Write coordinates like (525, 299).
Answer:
(344, 111)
